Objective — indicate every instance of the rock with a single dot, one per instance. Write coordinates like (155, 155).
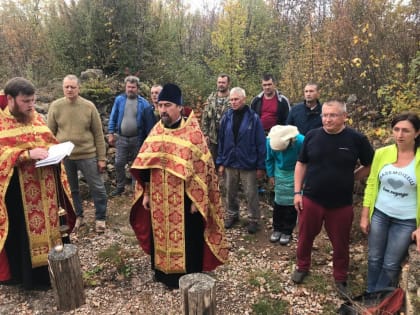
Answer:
(42, 108)
(89, 74)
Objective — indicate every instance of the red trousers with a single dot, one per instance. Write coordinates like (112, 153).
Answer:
(337, 222)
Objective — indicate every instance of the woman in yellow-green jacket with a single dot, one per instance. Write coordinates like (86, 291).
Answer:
(391, 205)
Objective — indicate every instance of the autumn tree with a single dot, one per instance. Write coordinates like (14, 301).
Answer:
(228, 39)
(22, 37)
(104, 34)
(350, 47)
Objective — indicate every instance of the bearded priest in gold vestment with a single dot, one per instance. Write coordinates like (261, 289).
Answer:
(30, 197)
(177, 213)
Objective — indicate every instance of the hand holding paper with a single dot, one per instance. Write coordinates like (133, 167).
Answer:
(56, 153)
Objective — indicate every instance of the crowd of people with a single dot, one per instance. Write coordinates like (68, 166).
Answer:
(306, 153)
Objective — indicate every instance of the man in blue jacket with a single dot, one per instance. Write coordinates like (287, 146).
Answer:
(131, 119)
(241, 157)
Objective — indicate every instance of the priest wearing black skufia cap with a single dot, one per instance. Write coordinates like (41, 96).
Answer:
(177, 213)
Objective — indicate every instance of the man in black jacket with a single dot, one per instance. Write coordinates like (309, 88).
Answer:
(272, 106)
(307, 115)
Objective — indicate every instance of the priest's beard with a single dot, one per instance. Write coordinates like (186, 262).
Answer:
(22, 117)
(166, 119)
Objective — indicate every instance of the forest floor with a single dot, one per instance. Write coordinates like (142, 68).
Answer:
(118, 278)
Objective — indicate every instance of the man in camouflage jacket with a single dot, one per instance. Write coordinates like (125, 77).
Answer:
(214, 108)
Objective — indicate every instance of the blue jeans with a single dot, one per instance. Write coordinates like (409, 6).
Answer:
(388, 243)
(127, 149)
(249, 183)
(89, 169)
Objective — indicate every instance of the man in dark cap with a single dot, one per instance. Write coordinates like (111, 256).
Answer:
(177, 213)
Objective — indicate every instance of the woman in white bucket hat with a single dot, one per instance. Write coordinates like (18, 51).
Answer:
(283, 147)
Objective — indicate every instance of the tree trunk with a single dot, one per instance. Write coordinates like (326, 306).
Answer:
(66, 277)
(198, 293)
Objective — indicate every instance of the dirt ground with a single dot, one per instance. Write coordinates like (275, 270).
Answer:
(118, 278)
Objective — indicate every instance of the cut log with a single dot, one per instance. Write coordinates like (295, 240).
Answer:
(66, 277)
(198, 292)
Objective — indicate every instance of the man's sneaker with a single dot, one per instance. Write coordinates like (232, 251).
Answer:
(342, 290)
(230, 222)
(100, 226)
(78, 224)
(116, 192)
(275, 236)
(298, 276)
(252, 227)
(285, 239)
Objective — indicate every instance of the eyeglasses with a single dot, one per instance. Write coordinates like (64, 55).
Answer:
(332, 116)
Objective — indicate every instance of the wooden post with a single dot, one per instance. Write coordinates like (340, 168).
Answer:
(66, 277)
(198, 292)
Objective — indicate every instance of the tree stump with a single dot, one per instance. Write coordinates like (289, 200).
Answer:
(198, 292)
(66, 277)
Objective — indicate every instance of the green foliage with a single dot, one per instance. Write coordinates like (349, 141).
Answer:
(318, 283)
(268, 306)
(400, 95)
(116, 256)
(22, 40)
(305, 65)
(345, 46)
(98, 92)
(177, 43)
(267, 279)
(244, 45)
(228, 41)
(94, 271)
(90, 277)
(97, 34)
(268, 283)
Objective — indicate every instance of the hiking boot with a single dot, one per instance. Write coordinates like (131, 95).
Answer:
(252, 227)
(78, 224)
(100, 226)
(342, 290)
(116, 192)
(299, 275)
(275, 236)
(230, 222)
(285, 239)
